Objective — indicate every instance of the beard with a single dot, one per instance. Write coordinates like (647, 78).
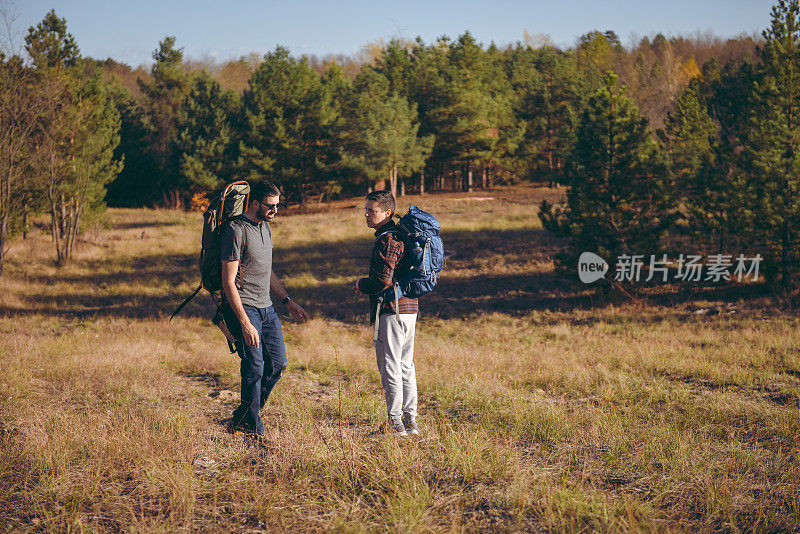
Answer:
(265, 216)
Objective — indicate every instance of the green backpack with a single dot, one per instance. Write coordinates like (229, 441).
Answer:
(232, 202)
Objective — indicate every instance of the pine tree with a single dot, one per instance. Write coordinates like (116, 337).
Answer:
(94, 164)
(506, 127)
(287, 118)
(80, 136)
(771, 161)
(384, 141)
(49, 44)
(397, 66)
(162, 96)
(353, 137)
(709, 168)
(206, 136)
(598, 53)
(138, 183)
(619, 201)
(548, 96)
(477, 114)
(690, 143)
(430, 91)
(345, 170)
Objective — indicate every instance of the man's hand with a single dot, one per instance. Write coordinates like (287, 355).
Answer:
(250, 334)
(356, 286)
(297, 312)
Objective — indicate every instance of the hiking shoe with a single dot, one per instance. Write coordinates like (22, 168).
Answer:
(411, 426)
(254, 437)
(240, 428)
(233, 429)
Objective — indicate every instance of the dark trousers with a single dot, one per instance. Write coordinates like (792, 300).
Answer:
(261, 366)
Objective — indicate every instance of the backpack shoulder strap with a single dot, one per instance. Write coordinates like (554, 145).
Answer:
(394, 229)
(394, 291)
(399, 231)
(185, 302)
(238, 222)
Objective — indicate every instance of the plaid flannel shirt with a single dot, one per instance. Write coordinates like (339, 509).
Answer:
(386, 255)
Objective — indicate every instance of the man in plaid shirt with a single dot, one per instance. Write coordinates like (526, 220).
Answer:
(394, 319)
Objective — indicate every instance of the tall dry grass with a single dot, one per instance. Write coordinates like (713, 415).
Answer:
(543, 408)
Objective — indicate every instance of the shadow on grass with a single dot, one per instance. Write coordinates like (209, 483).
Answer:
(494, 271)
(144, 224)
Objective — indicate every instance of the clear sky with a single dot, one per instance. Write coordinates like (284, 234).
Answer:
(130, 30)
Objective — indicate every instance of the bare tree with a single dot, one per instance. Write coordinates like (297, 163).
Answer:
(76, 131)
(21, 102)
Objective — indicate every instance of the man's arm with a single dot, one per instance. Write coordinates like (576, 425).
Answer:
(276, 288)
(389, 250)
(229, 270)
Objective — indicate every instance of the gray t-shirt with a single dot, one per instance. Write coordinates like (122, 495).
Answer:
(251, 244)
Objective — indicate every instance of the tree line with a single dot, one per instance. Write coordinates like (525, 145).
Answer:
(409, 115)
(452, 114)
(722, 175)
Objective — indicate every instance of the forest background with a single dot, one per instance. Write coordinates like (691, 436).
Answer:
(666, 140)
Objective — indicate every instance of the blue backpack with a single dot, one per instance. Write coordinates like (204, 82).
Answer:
(419, 269)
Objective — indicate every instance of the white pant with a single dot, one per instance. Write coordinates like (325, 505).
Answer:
(394, 350)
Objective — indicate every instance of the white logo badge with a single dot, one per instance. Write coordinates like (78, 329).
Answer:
(591, 267)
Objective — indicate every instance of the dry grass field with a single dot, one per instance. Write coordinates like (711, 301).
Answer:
(543, 408)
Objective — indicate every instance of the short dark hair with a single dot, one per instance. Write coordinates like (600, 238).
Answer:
(261, 190)
(384, 198)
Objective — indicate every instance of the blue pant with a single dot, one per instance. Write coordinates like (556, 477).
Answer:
(261, 366)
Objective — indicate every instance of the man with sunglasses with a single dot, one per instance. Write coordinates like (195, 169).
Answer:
(248, 280)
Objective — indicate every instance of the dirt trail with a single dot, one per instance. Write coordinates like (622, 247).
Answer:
(319, 401)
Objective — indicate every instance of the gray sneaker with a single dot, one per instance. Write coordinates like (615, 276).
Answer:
(410, 426)
(398, 429)
(388, 428)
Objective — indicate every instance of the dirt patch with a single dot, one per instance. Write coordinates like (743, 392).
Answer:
(302, 384)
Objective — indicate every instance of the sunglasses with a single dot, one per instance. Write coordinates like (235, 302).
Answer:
(270, 207)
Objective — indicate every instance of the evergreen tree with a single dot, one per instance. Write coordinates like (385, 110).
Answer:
(598, 53)
(771, 162)
(384, 140)
(397, 66)
(430, 91)
(714, 189)
(548, 99)
(137, 183)
(49, 45)
(287, 118)
(727, 92)
(79, 136)
(689, 139)
(344, 170)
(506, 126)
(206, 136)
(619, 201)
(94, 163)
(477, 111)
(162, 96)
(355, 101)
